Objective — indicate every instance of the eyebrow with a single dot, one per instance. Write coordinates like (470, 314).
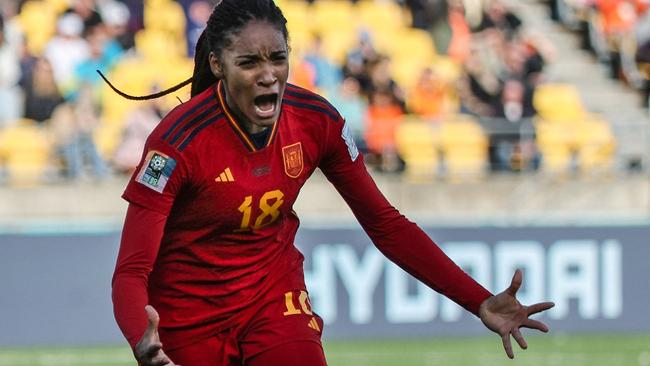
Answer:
(252, 56)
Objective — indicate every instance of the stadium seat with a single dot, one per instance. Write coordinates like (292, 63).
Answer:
(464, 148)
(24, 152)
(297, 14)
(336, 45)
(165, 16)
(595, 145)
(152, 44)
(38, 21)
(331, 17)
(559, 103)
(417, 144)
(385, 16)
(555, 143)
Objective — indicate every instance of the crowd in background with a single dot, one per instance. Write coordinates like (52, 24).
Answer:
(501, 62)
(618, 34)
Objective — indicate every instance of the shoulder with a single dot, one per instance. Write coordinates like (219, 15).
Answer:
(186, 121)
(309, 105)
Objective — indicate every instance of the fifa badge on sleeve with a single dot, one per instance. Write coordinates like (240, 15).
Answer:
(156, 170)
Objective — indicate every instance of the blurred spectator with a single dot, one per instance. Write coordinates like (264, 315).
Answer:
(41, 93)
(429, 97)
(198, 12)
(618, 22)
(516, 102)
(358, 58)
(498, 16)
(328, 76)
(383, 117)
(9, 77)
(303, 74)
(67, 50)
(136, 16)
(72, 128)
(104, 54)
(116, 17)
(479, 87)
(420, 17)
(459, 44)
(87, 11)
(512, 145)
(381, 80)
(138, 125)
(351, 104)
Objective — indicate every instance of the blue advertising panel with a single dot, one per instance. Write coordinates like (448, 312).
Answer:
(55, 289)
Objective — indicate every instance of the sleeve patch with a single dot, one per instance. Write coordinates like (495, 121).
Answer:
(156, 171)
(349, 141)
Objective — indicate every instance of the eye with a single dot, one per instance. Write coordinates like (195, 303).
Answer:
(246, 63)
(279, 58)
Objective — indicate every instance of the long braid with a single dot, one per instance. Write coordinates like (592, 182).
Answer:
(202, 76)
(227, 18)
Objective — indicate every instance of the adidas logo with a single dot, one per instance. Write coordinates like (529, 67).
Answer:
(313, 324)
(225, 176)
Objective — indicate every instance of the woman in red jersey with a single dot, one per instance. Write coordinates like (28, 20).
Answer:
(207, 273)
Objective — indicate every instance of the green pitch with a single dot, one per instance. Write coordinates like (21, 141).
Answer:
(558, 350)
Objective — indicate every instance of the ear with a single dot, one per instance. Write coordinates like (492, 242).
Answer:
(215, 65)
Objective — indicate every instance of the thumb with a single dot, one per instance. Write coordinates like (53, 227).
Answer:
(516, 283)
(152, 319)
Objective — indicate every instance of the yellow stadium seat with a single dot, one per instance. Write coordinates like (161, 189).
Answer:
(555, 142)
(413, 43)
(331, 17)
(38, 21)
(297, 14)
(559, 103)
(24, 152)
(595, 145)
(464, 148)
(158, 46)
(384, 16)
(417, 144)
(337, 45)
(165, 16)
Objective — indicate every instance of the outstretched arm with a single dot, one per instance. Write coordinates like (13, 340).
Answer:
(408, 246)
(399, 239)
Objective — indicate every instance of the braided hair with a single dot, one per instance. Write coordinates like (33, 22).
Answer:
(227, 20)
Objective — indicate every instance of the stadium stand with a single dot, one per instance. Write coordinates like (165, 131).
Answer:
(569, 136)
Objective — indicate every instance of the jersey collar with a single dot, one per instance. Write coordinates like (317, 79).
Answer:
(241, 133)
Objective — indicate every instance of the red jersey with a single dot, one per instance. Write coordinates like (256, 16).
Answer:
(228, 237)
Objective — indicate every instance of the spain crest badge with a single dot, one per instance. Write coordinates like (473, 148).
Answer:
(293, 163)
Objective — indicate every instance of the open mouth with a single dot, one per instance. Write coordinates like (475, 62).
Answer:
(265, 105)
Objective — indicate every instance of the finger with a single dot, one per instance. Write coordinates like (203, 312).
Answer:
(537, 308)
(515, 284)
(516, 334)
(534, 324)
(507, 346)
(161, 359)
(153, 349)
(153, 319)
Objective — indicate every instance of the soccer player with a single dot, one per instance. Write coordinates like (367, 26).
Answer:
(207, 273)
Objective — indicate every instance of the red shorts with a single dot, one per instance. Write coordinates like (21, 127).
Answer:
(285, 319)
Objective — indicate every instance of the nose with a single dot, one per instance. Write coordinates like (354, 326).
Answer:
(267, 75)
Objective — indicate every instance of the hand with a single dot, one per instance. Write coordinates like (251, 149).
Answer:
(504, 315)
(149, 351)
